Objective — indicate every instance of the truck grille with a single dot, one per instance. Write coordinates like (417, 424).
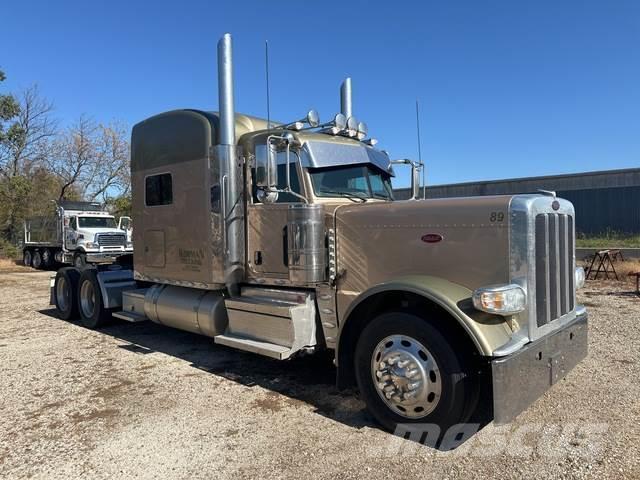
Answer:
(554, 238)
(112, 240)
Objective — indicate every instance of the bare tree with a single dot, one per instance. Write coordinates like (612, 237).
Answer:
(110, 176)
(92, 160)
(30, 134)
(74, 156)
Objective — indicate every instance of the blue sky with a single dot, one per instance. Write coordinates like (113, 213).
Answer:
(507, 88)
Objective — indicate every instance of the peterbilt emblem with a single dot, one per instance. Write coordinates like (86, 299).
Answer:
(555, 205)
(432, 238)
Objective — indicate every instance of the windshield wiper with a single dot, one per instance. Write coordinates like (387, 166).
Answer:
(380, 195)
(351, 196)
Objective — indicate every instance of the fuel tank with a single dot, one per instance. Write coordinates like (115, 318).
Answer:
(190, 309)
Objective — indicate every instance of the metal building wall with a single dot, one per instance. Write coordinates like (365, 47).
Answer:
(607, 200)
(601, 209)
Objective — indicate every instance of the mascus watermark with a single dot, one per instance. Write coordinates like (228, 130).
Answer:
(583, 440)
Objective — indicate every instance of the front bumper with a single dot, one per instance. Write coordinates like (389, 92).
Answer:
(104, 257)
(519, 379)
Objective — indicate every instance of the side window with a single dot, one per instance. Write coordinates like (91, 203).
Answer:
(73, 223)
(282, 181)
(158, 190)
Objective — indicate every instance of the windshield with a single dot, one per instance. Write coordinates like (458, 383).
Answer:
(362, 181)
(96, 222)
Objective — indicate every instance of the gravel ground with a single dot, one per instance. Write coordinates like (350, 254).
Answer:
(143, 401)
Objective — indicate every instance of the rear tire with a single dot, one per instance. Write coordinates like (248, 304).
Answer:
(429, 382)
(90, 305)
(65, 293)
(47, 258)
(36, 260)
(27, 258)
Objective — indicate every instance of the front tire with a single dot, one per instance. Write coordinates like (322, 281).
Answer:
(65, 293)
(80, 260)
(90, 305)
(408, 372)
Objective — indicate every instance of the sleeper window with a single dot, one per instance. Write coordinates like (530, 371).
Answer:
(158, 190)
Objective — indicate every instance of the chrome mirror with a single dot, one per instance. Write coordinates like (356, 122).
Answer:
(267, 166)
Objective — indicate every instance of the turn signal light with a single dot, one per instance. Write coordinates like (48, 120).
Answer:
(500, 299)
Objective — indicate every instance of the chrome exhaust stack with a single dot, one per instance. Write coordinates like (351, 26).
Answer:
(230, 170)
(346, 107)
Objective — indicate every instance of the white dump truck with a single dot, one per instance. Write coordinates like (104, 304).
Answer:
(77, 233)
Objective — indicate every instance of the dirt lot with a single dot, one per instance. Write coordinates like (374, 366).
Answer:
(140, 400)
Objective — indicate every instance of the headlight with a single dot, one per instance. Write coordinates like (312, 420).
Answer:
(129, 244)
(90, 245)
(580, 277)
(500, 299)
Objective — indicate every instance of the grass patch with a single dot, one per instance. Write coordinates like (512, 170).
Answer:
(608, 240)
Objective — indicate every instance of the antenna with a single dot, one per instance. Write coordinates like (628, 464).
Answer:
(266, 68)
(424, 183)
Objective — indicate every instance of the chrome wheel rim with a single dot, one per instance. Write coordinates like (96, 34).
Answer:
(406, 376)
(63, 294)
(26, 260)
(37, 260)
(87, 299)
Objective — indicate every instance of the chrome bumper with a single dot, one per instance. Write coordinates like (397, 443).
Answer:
(104, 257)
(519, 379)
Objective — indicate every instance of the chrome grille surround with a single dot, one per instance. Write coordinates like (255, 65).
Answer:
(112, 239)
(542, 261)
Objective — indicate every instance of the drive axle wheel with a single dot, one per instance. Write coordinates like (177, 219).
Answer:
(47, 258)
(408, 372)
(36, 260)
(27, 258)
(90, 305)
(64, 288)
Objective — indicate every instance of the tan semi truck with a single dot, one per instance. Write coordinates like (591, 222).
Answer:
(285, 239)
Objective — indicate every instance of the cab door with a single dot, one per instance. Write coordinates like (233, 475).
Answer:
(267, 223)
(70, 233)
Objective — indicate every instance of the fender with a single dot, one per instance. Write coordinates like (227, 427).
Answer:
(487, 332)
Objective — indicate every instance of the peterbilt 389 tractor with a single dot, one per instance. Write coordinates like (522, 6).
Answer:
(285, 239)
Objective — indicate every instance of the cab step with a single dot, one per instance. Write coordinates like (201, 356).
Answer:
(255, 346)
(129, 316)
(272, 322)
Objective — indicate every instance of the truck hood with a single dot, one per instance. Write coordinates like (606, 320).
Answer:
(465, 240)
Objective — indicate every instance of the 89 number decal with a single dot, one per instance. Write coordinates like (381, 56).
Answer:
(496, 217)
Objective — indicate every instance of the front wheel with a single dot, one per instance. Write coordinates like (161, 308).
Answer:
(90, 305)
(80, 260)
(409, 373)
